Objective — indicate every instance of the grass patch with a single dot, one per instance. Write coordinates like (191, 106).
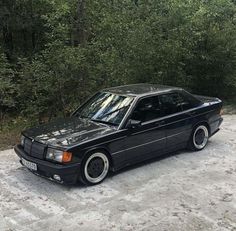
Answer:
(8, 139)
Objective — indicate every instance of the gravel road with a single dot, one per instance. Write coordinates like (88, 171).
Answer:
(187, 191)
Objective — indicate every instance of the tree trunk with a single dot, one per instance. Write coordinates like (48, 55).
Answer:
(8, 40)
(33, 33)
(80, 23)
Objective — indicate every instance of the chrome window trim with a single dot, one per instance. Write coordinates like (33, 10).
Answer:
(127, 113)
(136, 100)
(160, 118)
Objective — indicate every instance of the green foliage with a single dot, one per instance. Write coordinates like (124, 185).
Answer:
(7, 88)
(56, 53)
(57, 78)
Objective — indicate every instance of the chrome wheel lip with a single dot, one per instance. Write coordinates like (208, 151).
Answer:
(105, 169)
(206, 136)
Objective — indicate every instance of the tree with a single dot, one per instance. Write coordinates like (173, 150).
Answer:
(57, 53)
(7, 88)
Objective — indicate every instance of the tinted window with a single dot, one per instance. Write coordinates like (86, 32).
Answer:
(147, 109)
(189, 101)
(177, 102)
(171, 103)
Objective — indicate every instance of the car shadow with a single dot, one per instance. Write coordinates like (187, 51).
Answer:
(154, 159)
(125, 169)
(112, 174)
(141, 164)
(147, 162)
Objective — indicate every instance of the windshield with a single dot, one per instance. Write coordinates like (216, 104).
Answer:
(105, 108)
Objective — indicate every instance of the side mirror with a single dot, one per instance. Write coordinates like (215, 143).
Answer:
(133, 124)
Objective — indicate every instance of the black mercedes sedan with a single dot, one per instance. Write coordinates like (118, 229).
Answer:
(118, 127)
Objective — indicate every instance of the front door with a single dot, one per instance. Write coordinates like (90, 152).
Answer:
(148, 139)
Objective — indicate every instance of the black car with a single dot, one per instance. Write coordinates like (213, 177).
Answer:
(118, 127)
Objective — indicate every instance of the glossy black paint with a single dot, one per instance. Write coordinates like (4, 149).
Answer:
(125, 145)
(64, 133)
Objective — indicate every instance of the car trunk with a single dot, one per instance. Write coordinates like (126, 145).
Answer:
(208, 99)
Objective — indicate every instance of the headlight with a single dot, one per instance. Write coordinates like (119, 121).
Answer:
(22, 141)
(58, 155)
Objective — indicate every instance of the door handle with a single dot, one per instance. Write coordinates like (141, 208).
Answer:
(192, 113)
(160, 123)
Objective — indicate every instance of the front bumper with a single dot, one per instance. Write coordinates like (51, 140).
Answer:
(68, 173)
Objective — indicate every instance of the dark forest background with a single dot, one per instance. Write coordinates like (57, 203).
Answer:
(56, 53)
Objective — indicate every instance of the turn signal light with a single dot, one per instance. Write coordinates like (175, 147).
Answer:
(67, 156)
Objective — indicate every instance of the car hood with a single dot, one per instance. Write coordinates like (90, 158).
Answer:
(68, 131)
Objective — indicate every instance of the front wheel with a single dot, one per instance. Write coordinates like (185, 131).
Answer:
(94, 168)
(199, 138)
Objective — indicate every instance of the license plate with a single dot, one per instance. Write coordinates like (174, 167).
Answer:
(29, 164)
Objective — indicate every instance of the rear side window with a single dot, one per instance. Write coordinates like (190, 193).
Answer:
(189, 101)
(176, 102)
(171, 103)
(147, 109)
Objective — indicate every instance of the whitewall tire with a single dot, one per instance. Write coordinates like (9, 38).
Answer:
(94, 168)
(199, 138)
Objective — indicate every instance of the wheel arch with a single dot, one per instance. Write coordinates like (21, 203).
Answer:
(100, 149)
(203, 122)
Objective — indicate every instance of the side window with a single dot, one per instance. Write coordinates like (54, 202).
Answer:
(189, 101)
(171, 103)
(147, 109)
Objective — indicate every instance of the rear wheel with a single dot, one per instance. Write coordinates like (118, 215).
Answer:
(199, 138)
(94, 168)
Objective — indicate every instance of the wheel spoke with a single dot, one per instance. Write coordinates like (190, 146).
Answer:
(200, 137)
(96, 167)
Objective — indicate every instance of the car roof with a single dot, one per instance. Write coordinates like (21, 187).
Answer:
(140, 89)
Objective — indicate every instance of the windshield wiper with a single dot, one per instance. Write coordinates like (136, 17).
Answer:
(104, 122)
(109, 113)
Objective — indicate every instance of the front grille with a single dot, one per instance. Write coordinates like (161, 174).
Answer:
(37, 150)
(34, 148)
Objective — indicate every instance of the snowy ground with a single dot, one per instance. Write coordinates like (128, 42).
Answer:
(188, 191)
